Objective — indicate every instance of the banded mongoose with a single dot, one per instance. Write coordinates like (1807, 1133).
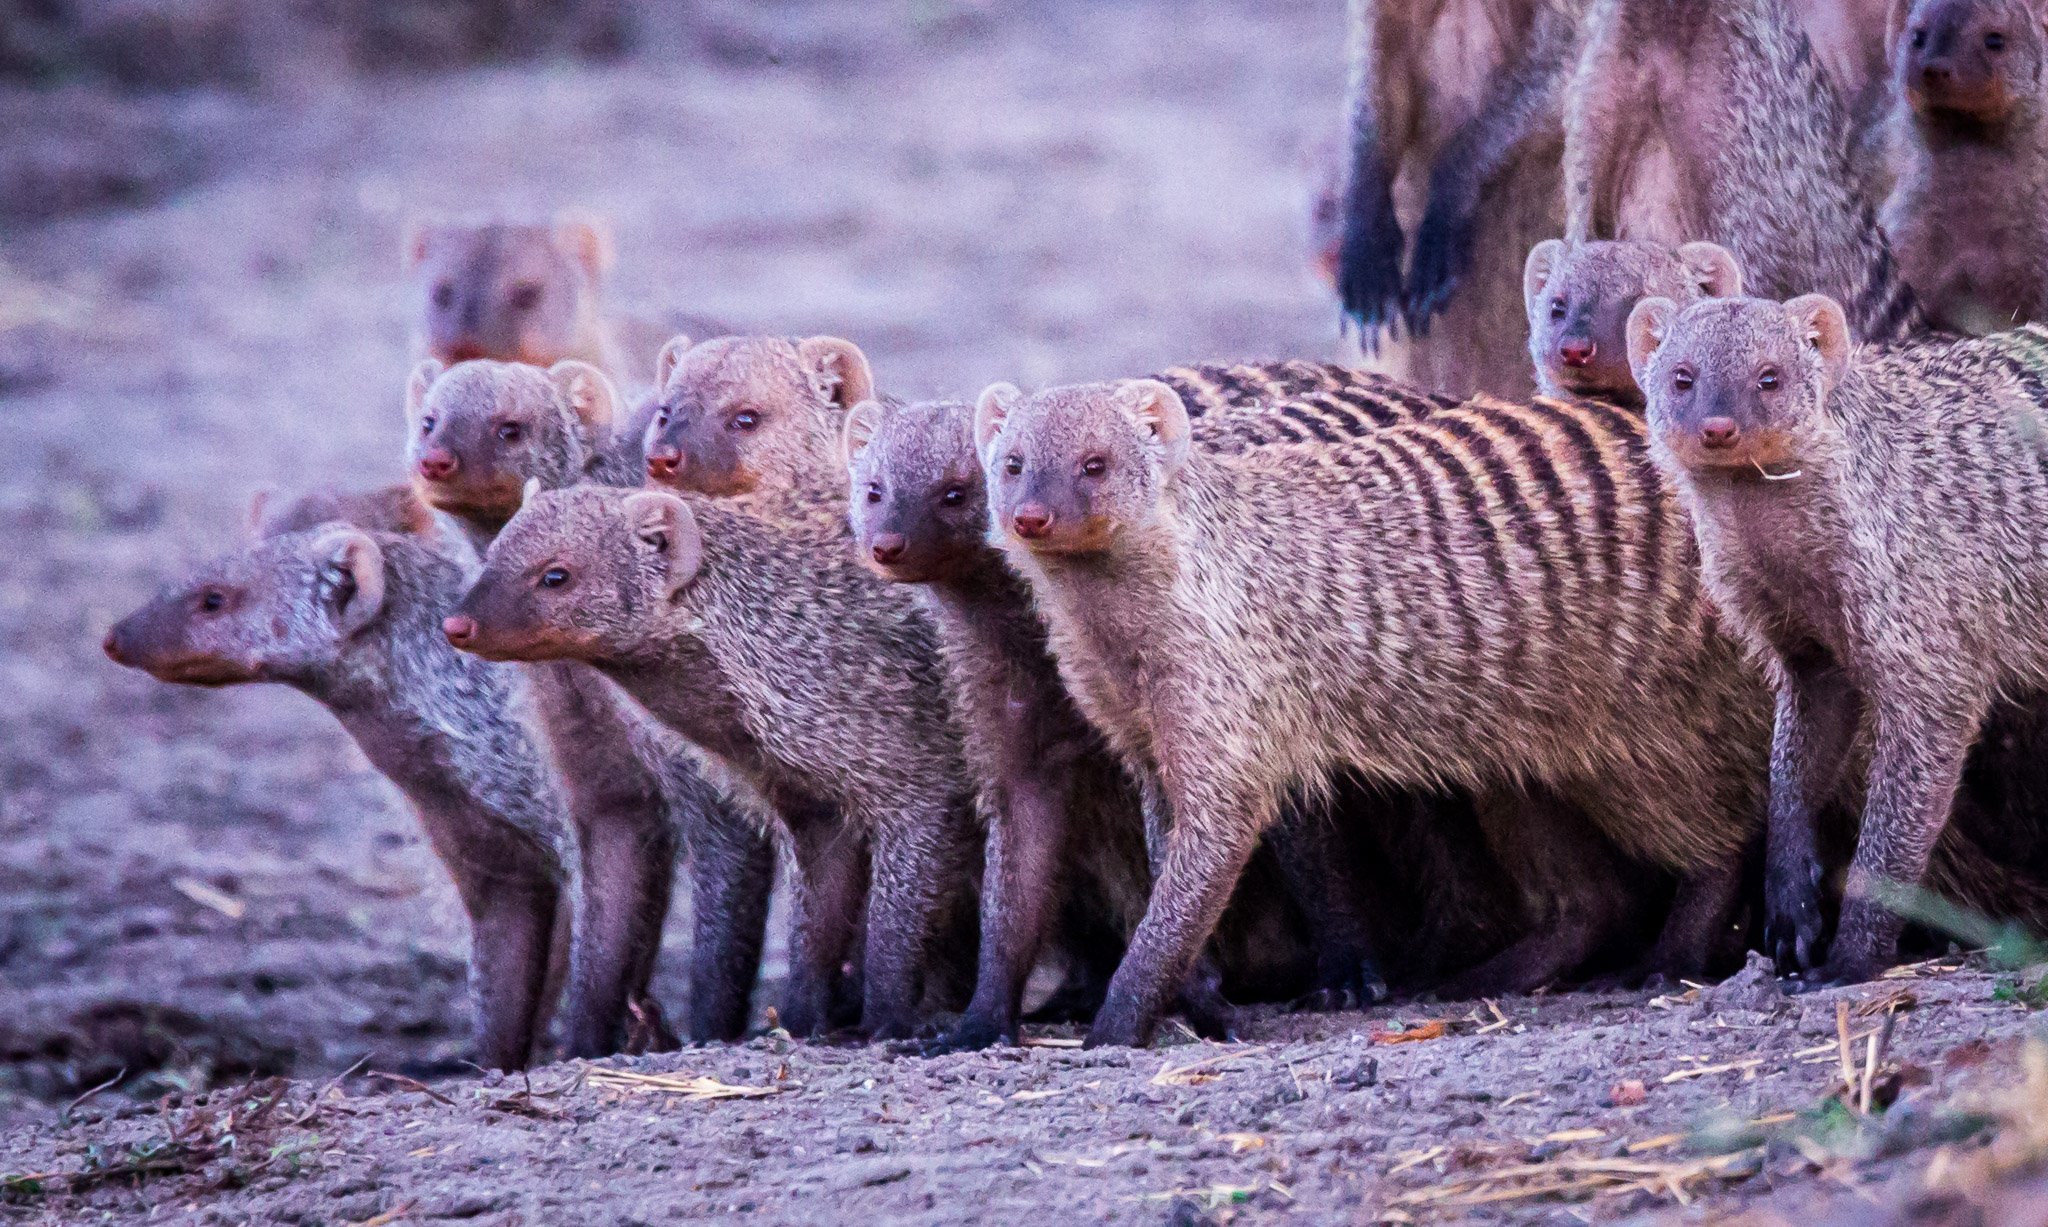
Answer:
(478, 433)
(525, 292)
(1714, 120)
(1492, 594)
(1969, 212)
(1418, 72)
(768, 644)
(1872, 525)
(1579, 296)
(352, 618)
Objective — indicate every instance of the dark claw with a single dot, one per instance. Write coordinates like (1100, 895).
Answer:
(1369, 268)
(970, 1035)
(1443, 257)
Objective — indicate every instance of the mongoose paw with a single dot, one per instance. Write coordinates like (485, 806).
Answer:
(1361, 988)
(1793, 926)
(891, 1027)
(1119, 1027)
(1369, 272)
(1443, 255)
(969, 1035)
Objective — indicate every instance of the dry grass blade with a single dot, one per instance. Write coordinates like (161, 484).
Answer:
(1435, 1029)
(206, 896)
(413, 1084)
(1194, 1072)
(698, 1087)
(1574, 1175)
(1052, 1041)
(1680, 1075)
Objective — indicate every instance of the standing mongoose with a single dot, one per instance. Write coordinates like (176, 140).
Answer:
(1969, 212)
(478, 433)
(822, 683)
(1714, 120)
(1419, 72)
(1492, 594)
(1872, 526)
(352, 617)
(1579, 296)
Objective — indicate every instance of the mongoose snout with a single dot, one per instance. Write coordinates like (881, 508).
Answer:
(1577, 353)
(888, 547)
(438, 464)
(461, 631)
(1033, 521)
(663, 460)
(1719, 432)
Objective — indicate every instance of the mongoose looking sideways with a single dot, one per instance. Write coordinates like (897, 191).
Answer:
(1436, 602)
(352, 618)
(1969, 212)
(1579, 296)
(817, 665)
(1873, 527)
(478, 433)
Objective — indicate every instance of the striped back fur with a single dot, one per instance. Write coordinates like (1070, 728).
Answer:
(1235, 406)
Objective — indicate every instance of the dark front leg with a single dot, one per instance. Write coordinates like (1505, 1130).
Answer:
(628, 851)
(920, 856)
(1818, 708)
(832, 879)
(1020, 884)
(1214, 831)
(511, 888)
(732, 874)
(1922, 740)
(1701, 914)
(1315, 864)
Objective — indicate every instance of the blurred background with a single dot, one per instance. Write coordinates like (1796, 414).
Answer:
(201, 204)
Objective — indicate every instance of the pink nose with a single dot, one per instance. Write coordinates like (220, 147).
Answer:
(459, 629)
(889, 547)
(1719, 432)
(439, 464)
(662, 462)
(1577, 353)
(1032, 521)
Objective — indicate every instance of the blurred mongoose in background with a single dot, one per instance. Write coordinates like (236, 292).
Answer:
(352, 617)
(1714, 120)
(1969, 212)
(830, 677)
(1579, 296)
(1873, 526)
(1448, 610)
(478, 433)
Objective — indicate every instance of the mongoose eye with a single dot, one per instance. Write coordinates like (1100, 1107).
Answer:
(874, 493)
(427, 424)
(444, 296)
(953, 496)
(213, 600)
(661, 420)
(1014, 465)
(745, 419)
(553, 577)
(1919, 40)
(1094, 466)
(1682, 379)
(1767, 379)
(510, 432)
(1994, 41)
(1557, 308)
(525, 296)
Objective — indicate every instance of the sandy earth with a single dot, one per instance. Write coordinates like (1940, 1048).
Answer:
(205, 888)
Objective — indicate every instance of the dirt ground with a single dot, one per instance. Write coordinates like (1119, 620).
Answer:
(202, 890)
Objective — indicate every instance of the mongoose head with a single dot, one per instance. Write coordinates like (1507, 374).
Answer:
(481, 430)
(1739, 383)
(578, 574)
(1579, 296)
(739, 413)
(279, 611)
(509, 292)
(1977, 60)
(1069, 468)
(920, 503)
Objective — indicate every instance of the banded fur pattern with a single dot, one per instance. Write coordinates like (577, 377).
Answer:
(1234, 406)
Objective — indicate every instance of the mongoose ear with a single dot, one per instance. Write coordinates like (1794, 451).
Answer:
(587, 240)
(588, 391)
(259, 503)
(417, 384)
(351, 577)
(418, 241)
(1648, 325)
(1823, 325)
(665, 361)
(862, 421)
(1159, 410)
(991, 409)
(662, 523)
(1713, 269)
(1536, 270)
(527, 491)
(838, 371)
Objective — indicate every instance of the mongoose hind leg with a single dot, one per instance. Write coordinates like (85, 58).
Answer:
(832, 873)
(915, 856)
(1316, 866)
(513, 900)
(732, 873)
(1818, 709)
